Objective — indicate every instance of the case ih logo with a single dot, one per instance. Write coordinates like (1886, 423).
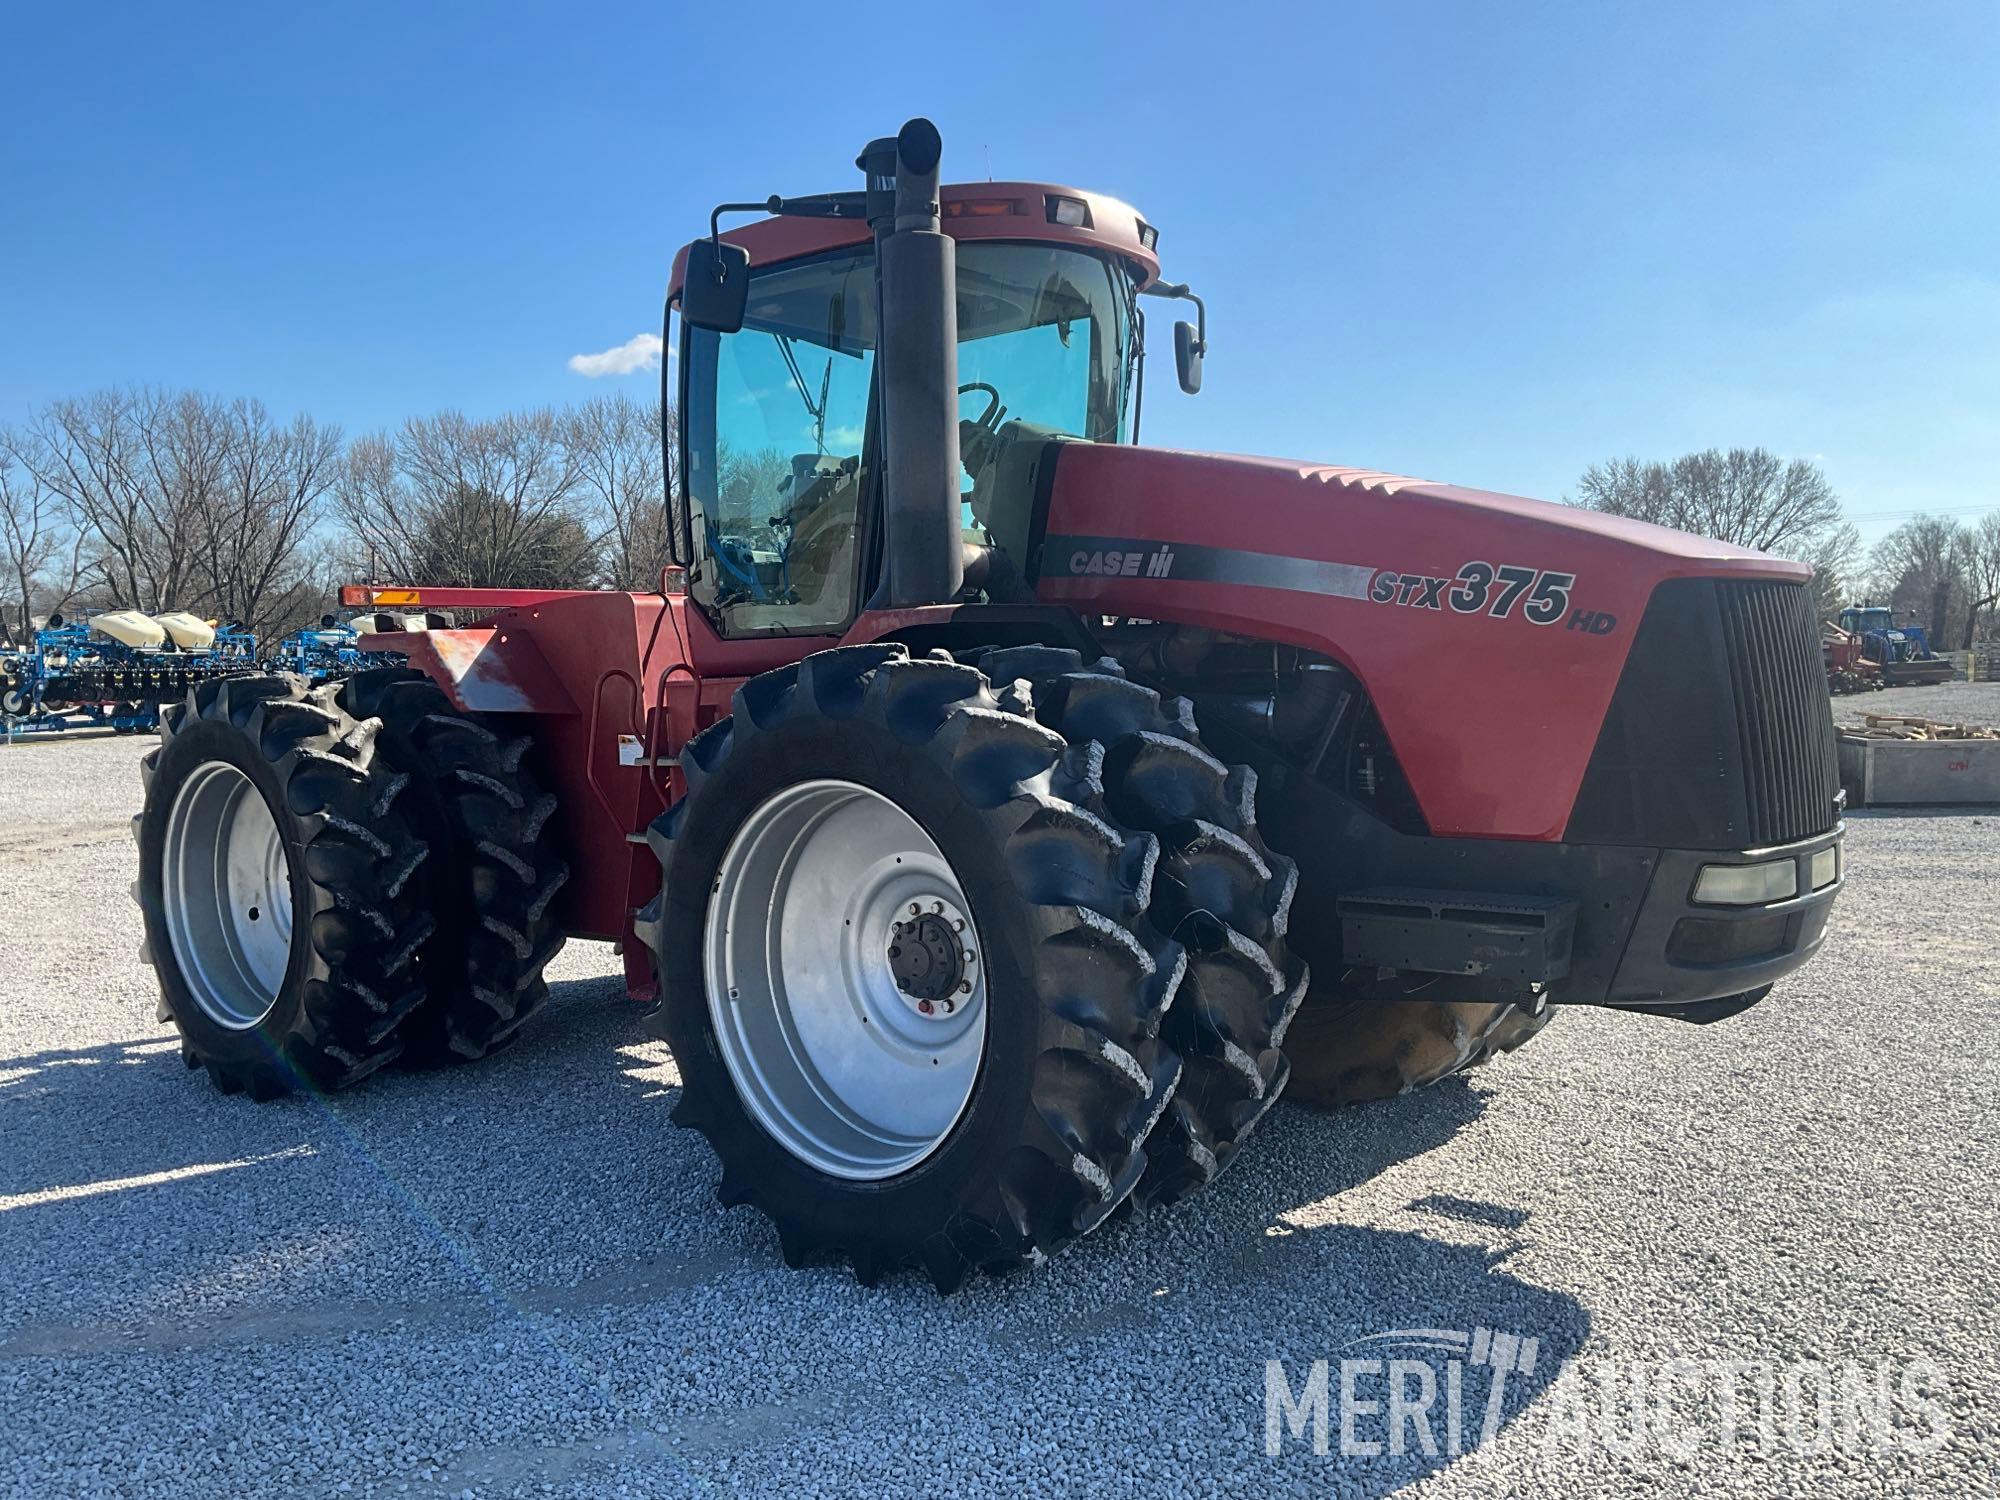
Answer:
(1113, 563)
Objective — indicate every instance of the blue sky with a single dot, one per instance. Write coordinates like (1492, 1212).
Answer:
(1483, 243)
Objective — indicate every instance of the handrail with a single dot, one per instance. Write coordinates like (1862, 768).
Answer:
(660, 722)
(590, 742)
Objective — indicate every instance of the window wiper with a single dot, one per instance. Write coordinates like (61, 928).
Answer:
(816, 412)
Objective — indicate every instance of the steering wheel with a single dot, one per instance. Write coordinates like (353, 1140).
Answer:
(990, 418)
(978, 437)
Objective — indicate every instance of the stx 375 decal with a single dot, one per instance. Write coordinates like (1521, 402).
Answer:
(1497, 591)
(1542, 595)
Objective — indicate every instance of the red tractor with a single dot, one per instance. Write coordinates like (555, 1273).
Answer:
(996, 815)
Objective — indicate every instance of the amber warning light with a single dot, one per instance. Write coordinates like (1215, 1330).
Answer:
(360, 596)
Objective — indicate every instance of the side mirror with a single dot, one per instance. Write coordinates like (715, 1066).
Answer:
(1190, 339)
(716, 289)
(1188, 350)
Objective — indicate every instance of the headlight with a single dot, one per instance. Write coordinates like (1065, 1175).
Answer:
(1747, 885)
(1826, 867)
(1072, 213)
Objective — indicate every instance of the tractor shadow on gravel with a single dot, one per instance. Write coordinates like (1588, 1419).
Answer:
(86, 1119)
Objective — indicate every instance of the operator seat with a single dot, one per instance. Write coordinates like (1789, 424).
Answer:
(1004, 496)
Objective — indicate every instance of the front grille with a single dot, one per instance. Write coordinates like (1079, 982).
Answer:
(1720, 735)
(1783, 718)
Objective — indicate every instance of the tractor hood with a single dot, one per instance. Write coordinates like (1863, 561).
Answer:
(1450, 605)
(1356, 518)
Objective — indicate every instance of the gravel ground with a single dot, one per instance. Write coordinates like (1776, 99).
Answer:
(1945, 702)
(513, 1278)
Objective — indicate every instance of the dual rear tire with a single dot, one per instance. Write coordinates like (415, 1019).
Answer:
(337, 878)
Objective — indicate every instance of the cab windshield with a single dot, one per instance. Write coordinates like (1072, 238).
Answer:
(1048, 331)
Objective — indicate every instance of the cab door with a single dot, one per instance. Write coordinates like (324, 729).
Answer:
(777, 470)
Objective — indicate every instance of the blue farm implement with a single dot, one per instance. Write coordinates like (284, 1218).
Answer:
(332, 651)
(114, 670)
(1900, 654)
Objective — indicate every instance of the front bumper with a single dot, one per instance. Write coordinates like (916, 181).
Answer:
(1682, 952)
(1591, 923)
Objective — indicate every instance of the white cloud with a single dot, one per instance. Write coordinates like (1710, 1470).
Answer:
(639, 352)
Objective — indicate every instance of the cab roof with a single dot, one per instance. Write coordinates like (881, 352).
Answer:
(972, 211)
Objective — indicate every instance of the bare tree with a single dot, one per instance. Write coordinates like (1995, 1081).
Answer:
(88, 452)
(1921, 567)
(136, 469)
(1748, 496)
(454, 501)
(37, 547)
(185, 501)
(1835, 556)
(624, 475)
(748, 487)
(256, 523)
(1982, 573)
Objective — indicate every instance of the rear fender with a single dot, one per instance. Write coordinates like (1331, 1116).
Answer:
(483, 670)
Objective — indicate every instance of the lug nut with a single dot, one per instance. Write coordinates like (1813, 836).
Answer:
(925, 1006)
(959, 925)
(965, 986)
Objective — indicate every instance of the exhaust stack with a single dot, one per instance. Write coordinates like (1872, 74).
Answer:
(916, 359)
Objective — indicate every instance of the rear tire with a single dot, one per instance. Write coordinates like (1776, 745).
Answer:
(495, 867)
(1346, 1051)
(1073, 979)
(1222, 892)
(299, 965)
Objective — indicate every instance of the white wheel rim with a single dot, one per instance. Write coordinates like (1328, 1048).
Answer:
(226, 888)
(856, 1062)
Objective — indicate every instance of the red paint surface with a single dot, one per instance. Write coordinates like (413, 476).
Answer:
(1114, 227)
(1492, 720)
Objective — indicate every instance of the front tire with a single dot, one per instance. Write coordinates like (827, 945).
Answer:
(1037, 1142)
(1223, 893)
(277, 879)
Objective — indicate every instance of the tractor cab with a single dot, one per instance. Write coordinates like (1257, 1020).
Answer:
(783, 426)
(1868, 620)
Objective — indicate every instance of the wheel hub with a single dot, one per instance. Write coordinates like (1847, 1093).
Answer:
(226, 890)
(845, 981)
(929, 958)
